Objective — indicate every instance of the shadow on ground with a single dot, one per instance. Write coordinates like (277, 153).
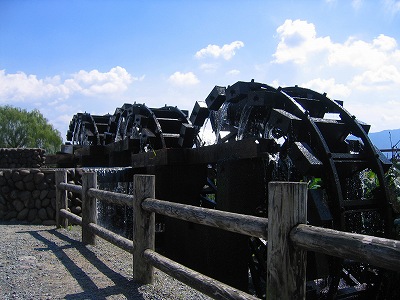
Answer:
(123, 286)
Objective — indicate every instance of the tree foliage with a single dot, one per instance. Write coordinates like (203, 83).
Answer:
(22, 129)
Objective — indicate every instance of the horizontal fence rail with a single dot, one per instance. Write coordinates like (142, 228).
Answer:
(107, 196)
(112, 237)
(380, 252)
(108, 235)
(111, 197)
(285, 227)
(70, 187)
(75, 219)
(204, 284)
(233, 222)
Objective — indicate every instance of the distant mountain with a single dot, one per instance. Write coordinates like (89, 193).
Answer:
(382, 139)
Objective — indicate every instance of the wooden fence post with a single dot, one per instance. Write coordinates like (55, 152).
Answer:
(143, 228)
(286, 272)
(89, 207)
(61, 198)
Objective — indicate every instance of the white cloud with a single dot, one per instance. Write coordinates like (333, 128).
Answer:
(95, 82)
(227, 51)
(233, 72)
(361, 54)
(209, 67)
(329, 86)
(383, 114)
(356, 4)
(275, 83)
(18, 86)
(365, 63)
(392, 7)
(22, 87)
(385, 77)
(298, 42)
(363, 73)
(373, 64)
(179, 78)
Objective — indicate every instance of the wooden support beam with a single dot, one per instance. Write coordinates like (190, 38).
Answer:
(380, 252)
(143, 228)
(71, 187)
(233, 222)
(286, 273)
(247, 148)
(61, 198)
(102, 232)
(111, 197)
(161, 157)
(89, 207)
(112, 237)
(243, 149)
(200, 282)
(75, 219)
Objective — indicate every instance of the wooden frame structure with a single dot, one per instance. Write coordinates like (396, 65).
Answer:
(288, 236)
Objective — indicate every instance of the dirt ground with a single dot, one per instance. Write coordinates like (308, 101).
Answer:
(42, 262)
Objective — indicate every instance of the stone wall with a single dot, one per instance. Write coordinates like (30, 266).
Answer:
(30, 195)
(22, 158)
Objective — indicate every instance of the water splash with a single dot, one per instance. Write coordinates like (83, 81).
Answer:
(115, 218)
(207, 136)
(282, 167)
(244, 119)
(221, 119)
(118, 136)
(274, 133)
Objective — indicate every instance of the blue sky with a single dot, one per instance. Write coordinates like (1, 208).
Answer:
(64, 57)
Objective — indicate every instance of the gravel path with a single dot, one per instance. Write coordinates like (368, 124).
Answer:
(42, 262)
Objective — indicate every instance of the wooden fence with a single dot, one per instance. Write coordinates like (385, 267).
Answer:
(288, 237)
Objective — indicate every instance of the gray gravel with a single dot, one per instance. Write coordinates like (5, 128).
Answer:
(42, 262)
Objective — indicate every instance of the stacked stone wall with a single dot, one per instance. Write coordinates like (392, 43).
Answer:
(30, 195)
(22, 158)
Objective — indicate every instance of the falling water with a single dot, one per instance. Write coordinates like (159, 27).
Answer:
(244, 119)
(282, 167)
(118, 134)
(206, 136)
(274, 133)
(115, 218)
(221, 119)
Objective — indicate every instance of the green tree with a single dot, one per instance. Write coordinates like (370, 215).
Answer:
(22, 129)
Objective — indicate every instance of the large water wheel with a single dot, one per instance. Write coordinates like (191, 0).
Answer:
(147, 128)
(318, 142)
(310, 138)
